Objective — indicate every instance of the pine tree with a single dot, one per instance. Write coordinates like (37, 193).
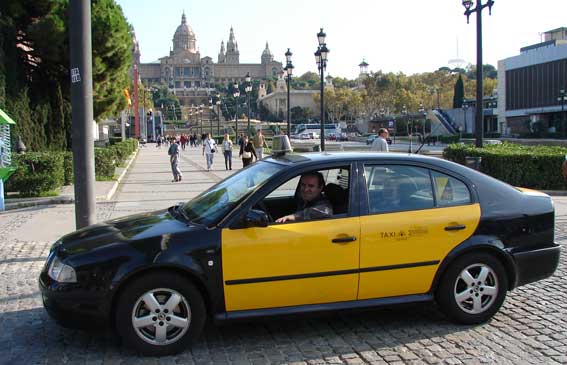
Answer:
(459, 93)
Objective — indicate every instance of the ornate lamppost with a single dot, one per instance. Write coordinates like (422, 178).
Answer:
(248, 89)
(218, 115)
(408, 128)
(236, 95)
(321, 59)
(211, 116)
(289, 72)
(201, 117)
(468, 4)
(562, 98)
(421, 111)
(465, 107)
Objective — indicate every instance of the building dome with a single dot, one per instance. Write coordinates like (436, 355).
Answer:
(184, 37)
(267, 55)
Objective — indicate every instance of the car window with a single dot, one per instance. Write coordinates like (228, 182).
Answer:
(287, 199)
(214, 203)
(394, 188)
(450, 191)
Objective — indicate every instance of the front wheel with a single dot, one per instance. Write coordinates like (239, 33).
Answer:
(473, 288)
(160, 314)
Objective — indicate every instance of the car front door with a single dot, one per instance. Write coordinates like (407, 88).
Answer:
(416, 216)
(293, 263)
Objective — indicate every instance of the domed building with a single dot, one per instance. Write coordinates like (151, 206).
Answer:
(192, 78)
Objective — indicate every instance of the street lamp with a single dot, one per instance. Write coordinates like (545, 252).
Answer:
(211, 116)
(421, 110)
(321, 60)
(218, 115)
(408, 128)
(465, 108)
(468, 4)
(201, 117)
(289, 71)
(248, 89)
(562, 98)
(236, 95)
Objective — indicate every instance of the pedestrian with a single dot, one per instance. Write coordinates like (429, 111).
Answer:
(158, 141)
(259, 143)
(183, 140)
(227, 151)
(173, 153)
(209, 149)
(380, 144)
(247, 151)
(240, 141)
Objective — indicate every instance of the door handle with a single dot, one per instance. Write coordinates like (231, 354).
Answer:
(344, 239)
(455, 228)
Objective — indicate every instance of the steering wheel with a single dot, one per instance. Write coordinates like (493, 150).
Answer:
(264, 209)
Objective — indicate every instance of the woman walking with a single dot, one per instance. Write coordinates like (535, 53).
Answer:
(247, 152)
(227, 151)
(209, 149)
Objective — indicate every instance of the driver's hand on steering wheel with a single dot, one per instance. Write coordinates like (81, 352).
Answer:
(286, 218)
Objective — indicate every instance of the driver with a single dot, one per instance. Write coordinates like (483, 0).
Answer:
(313, 205)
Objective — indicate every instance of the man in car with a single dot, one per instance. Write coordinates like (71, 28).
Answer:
(380, 143)
(313, 204)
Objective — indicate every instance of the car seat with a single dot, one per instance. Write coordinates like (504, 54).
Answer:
(338, 198)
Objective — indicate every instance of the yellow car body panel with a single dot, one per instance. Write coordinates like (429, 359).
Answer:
(416, 239)
(265, 267)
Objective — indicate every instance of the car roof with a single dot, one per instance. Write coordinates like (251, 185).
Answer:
(323, 157)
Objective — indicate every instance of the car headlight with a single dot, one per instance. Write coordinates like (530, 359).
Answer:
(60, 272)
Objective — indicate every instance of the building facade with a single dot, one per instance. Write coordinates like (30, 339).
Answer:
(532, 86)
(190, 76)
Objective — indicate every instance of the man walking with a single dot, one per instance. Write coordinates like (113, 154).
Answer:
(173, 153)
(259, 143)
(209, 149)
(380, 143)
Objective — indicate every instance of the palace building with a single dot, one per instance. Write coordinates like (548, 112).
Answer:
(189, 75)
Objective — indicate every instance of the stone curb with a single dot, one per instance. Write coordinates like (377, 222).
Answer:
(67, 199)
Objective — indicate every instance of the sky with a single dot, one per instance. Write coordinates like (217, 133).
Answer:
(408, 36)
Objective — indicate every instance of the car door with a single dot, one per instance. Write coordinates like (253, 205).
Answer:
(415, 217)
(295, 263)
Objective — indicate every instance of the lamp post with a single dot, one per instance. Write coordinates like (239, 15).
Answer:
(218, 115)
(321, 60)
(421, 111)
(236, 95)
(465, 108)
(468, 4)
(408, 127)
(248, 89)
(201, 117)
(289, 72)
(211, 116)
(562, 98)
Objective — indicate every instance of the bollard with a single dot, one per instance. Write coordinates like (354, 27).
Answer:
(473, 162)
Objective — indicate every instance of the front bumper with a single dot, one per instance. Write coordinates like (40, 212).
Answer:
(72, 305)
(536, 265)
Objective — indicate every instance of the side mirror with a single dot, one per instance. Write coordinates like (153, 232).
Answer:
(253, 218)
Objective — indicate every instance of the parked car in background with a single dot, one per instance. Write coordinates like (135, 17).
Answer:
(370, 138)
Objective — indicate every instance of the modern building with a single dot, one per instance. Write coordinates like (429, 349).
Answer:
(192, 77)
(532, 87)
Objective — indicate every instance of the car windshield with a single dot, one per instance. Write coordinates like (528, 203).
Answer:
(220, 199)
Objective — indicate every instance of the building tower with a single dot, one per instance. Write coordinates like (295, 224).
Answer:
(222, 57)
(267, 55)
(232, 54)
(363, 74)
(184, 38)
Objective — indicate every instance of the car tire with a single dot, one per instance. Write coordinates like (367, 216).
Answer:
(160, 314)
(473, 288)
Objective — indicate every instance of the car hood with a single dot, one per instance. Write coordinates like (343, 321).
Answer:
(131, 228)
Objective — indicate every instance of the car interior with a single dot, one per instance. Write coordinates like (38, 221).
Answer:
(283, 200)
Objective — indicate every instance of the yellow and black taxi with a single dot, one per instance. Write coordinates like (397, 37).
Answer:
(403, 228)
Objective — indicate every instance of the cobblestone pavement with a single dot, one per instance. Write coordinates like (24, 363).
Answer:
(530, 328)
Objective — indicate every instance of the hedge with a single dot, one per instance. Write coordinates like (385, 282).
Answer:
(536, 167)
(37, 173)
(41, 172)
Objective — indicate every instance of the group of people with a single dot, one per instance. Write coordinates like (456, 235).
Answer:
(248, 150)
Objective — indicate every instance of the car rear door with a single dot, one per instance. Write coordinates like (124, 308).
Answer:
(415, 217)
(292, 264)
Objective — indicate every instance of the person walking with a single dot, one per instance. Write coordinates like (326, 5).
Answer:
(259, 143)
(227, 151)
(380, 144)
(173, 153)
(247, 151)
(209, 149)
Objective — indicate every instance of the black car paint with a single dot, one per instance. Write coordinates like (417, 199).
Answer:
(108, 255)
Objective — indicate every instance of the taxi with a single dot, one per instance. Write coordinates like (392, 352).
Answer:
(404, 228)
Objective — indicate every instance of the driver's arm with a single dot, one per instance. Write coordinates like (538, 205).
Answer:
(286, 218)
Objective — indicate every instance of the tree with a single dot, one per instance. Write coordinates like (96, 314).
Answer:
(459, 93)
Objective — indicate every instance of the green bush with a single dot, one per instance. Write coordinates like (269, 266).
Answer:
(537, 167)
(449, 139)
(68, 167)
(105, 163)
(37, 173)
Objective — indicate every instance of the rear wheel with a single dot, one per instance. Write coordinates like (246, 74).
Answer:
(160, 314)
(473, 288)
